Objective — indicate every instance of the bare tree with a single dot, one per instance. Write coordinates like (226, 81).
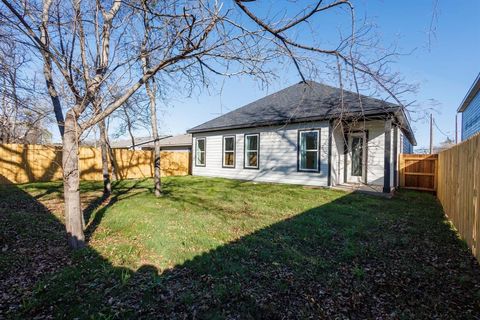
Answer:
(151, 92)
(23, 113)
(90, 44)
(133, 115)
(186, 39)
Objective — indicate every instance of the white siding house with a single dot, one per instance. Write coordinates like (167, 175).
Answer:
(374, 157)
(263, 141)
(277, 155)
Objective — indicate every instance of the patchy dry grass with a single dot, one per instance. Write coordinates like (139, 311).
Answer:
(215, 248)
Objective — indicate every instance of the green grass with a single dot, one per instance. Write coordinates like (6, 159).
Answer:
(218, 248)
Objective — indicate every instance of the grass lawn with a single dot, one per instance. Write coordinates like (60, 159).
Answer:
(216, 248)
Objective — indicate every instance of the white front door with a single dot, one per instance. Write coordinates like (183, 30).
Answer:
(357, 156)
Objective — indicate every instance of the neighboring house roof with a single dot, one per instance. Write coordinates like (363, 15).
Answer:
(474, 89)
(139, 142)
(182, 140)
(305, 101)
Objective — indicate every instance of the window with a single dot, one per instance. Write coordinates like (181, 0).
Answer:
(251, 151)
(308, 154)
(229, 151)
(200, 152)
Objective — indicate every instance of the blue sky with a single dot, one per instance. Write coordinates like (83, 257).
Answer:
(445, 69)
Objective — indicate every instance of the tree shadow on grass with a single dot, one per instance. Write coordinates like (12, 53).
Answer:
(32, 242)
(104, 202)
(331, 261)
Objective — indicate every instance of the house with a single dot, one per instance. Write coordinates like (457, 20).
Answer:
(302, 135)
(136, 143)
(178, 143)
(470, 110)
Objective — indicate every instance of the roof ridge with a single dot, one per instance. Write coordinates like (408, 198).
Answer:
(318, 102)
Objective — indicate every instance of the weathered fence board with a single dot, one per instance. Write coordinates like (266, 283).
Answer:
(418, 171)
(31, 163)
(459, 188)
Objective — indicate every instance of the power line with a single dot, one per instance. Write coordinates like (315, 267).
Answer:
(436, 126)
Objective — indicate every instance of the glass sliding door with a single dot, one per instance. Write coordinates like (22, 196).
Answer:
(357, 156)
(356, 171)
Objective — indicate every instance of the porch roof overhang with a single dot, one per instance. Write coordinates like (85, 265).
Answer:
(402, 120)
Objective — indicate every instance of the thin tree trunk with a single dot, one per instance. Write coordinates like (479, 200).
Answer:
(74, 221)
(129, 127)
(156, 153)
(151, 92)
(157, 172)
(113, 164)
(107, 186)
(48, 71)
(115, 173)
(13, 80)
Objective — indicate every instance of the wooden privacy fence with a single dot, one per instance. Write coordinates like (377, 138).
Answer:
(418, 171)
(30, 163)
(459, 188)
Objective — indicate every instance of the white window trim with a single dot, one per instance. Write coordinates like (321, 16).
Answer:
(245, 160)
(232, 151)
(300, 132)
(204, 152)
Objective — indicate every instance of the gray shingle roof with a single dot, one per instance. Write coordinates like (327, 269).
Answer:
(298, 103)
(181, 140)
(178, 140)
(127, 143)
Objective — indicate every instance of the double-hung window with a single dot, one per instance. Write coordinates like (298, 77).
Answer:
(200, 145)
(229, 151)
(252, 145)
(309, 150)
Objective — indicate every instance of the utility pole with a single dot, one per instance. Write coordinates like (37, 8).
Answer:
(431, 133)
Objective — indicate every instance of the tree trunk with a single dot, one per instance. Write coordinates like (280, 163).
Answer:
(157, 183)
(113, 164)
(107, 186)
(150, 87)
(129, 127)
(74, 221)
(52, 91)
(115, 173)
(156, 162)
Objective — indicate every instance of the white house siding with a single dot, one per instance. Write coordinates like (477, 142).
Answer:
(401, 138)
(376, 153)
(402, 147)
(399, 149)
(277, 156)
(375, 149)
(392, 153)
(338, 145)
